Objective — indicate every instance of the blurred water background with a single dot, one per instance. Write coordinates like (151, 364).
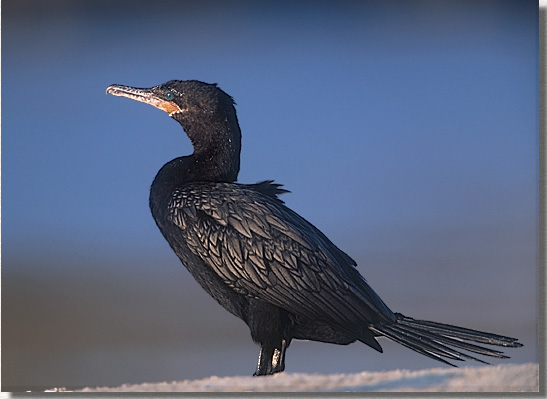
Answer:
(406, 131)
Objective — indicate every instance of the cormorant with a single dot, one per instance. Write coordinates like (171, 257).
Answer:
(260, 260)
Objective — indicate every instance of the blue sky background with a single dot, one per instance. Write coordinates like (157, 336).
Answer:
(406, 131)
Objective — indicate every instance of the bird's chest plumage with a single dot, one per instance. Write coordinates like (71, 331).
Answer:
(190, 233)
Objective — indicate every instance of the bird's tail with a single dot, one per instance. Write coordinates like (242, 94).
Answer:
(443, 341)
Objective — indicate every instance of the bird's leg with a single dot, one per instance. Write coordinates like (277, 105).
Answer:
(262, 367)
(271, 359)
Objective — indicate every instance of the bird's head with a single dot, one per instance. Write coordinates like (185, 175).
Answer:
(205, 112)
(180, 99)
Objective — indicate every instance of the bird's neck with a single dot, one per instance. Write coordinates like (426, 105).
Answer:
(217, 146)
(209, 167)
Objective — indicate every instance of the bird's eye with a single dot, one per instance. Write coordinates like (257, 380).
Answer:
(169, 95)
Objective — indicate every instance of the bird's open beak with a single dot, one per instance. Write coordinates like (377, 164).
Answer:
(146, 96)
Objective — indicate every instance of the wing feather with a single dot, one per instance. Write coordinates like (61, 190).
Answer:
(266, 251)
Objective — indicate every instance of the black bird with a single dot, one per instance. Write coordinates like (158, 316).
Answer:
(260, 260)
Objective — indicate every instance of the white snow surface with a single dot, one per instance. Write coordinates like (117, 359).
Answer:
(503, 378)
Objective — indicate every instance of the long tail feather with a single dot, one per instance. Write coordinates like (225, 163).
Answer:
(439, 341)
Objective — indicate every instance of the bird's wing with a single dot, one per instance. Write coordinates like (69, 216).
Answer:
(264, 250)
